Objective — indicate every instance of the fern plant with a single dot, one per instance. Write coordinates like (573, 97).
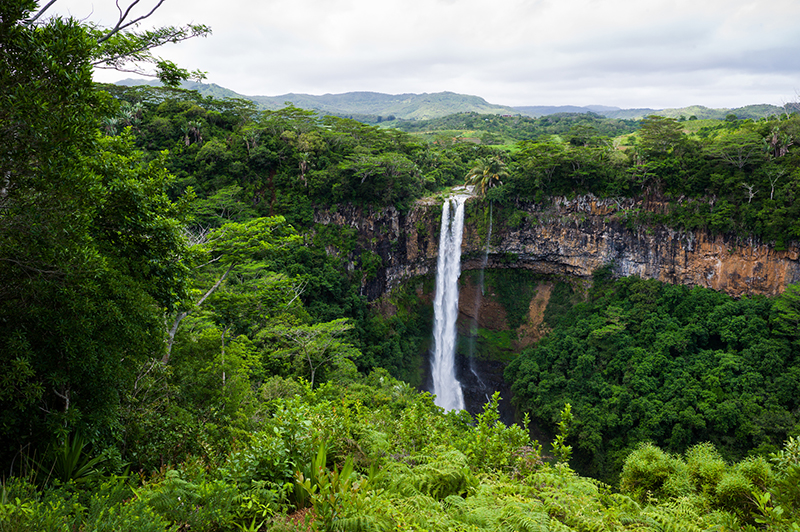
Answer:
(200, 505)
(444, 473)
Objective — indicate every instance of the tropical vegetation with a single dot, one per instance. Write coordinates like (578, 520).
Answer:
(186, 347)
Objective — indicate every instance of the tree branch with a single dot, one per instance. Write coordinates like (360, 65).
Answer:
(181, 315)
(121, 24)
(41, 12)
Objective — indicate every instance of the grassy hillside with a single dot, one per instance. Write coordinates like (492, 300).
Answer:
(405, 106)
(748, 111)
(375, 107)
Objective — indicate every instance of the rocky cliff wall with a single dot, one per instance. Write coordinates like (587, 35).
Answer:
(569, 237)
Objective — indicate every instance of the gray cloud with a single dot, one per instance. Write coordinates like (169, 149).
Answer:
(628, 53)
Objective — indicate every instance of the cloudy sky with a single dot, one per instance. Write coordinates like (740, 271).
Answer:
(626, 53)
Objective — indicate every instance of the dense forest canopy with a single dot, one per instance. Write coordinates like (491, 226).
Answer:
(641, 361)
(185, 348)
(497, 128)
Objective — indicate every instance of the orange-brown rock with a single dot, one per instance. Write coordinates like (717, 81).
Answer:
(570, 237)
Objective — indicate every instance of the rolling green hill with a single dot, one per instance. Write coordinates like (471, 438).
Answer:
(405, 106)
(369, 107)
(374, 107)
(748, 111)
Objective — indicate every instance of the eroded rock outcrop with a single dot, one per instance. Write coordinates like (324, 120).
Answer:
(569, 237)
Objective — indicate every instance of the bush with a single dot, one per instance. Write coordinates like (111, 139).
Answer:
(734, 494)
(444, 473)
(201, 505)
(649, 471)
(135, 516)
(736, 489)
(706, 467)
(492, 444)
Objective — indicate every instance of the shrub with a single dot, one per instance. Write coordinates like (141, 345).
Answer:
(274, 453)
(443, 474)
(733, 493)
(491, 444)
(706, 467)
(647, 472)
(194, 505)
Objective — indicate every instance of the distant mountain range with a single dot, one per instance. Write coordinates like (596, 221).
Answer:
(374, 107)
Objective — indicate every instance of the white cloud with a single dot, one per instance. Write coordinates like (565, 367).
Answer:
(630, 53)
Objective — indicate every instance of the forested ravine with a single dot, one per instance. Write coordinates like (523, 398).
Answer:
(215, 318)
(565, 241)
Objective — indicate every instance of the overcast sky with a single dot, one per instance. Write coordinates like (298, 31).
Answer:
(626, 53)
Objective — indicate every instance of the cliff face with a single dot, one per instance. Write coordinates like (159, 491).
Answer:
(569, 237)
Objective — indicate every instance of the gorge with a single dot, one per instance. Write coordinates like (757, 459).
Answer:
(564, 241)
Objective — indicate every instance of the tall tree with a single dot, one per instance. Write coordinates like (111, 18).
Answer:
(738, 148)
(486, 173)
(318, 346)
(659, 136)
(90, 249)
(230, 246)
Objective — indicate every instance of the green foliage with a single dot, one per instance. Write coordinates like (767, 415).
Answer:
(746, 492)
(431, 473)
(113, 508)
(522, 127)
(494, 446)
(443, 474)
(562, 451)
(706, 467)
(485, 344)
(91, 251)
(649, 471)
(70, 462)
(274, 453)
(200, 504)
(317, 346)
(487, 174)
(785, 316)
(340, 502)
(514, 290)
(395, 342)
(643, 361)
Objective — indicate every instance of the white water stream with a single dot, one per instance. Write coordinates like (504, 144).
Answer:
(445, 306)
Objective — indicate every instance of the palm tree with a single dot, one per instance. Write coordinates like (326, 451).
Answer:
(486, 174)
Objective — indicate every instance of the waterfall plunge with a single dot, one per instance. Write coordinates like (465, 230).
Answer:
(445, 307)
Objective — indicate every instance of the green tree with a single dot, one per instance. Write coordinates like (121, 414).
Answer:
(319, 345)
(738, 148)
(486, 174)
(659, 136)
(127, 48)
(541, 162)
(90, 249)
(786, 312)
(232, 245)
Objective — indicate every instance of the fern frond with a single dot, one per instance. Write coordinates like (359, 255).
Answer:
(527, 522)
(361, 523)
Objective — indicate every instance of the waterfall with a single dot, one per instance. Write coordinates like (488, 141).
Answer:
(445, 307)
